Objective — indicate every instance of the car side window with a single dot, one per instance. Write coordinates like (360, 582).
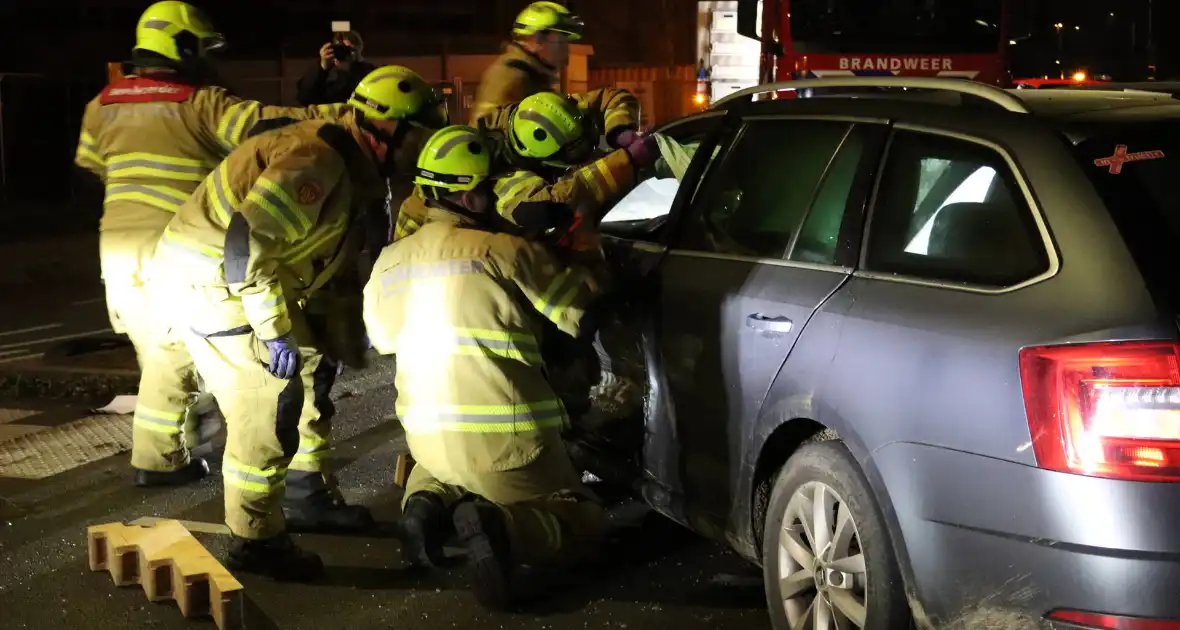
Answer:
(757, 198)
(950, 209)
(820, 235)
(652, 198)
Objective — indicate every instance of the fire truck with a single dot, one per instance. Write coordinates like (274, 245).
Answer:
(750, 42)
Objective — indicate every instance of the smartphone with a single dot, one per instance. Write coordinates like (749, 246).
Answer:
(341, 28)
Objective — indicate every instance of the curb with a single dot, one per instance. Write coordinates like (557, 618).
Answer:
(47, 383)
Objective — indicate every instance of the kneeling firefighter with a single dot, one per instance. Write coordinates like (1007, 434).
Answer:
(463, 302)
(152, 137)
(261, 236)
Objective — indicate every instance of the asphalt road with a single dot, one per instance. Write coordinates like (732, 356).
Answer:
(656, 575)
(51, 294)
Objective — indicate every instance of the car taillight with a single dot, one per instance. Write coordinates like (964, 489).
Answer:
(1105, 409)
(1112, 622)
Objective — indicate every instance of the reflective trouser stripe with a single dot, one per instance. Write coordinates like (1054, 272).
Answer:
(251, 479)
(312, 449)
(552, 527)
(169, 423)
(483, 418)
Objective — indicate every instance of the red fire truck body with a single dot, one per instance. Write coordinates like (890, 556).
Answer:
(801, 39)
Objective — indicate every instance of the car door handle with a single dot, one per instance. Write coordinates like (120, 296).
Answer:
(769, 323)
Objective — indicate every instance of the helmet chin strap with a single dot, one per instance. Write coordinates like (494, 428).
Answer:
(392, 141)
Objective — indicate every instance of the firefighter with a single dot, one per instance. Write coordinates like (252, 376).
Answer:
(533, 61)
(462, 303)
(271, 226)
(152, 137)
(533, 164)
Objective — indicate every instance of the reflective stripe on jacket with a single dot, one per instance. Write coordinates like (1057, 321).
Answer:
(464, 310)
(273, 222)
(153, 139)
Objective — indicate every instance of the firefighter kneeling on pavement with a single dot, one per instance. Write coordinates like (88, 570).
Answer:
(274, 223)
(463, 303)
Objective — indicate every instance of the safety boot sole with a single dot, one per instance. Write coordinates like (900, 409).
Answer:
(489, 562)
(196, 470)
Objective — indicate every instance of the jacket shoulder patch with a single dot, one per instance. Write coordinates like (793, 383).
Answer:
(309, 192)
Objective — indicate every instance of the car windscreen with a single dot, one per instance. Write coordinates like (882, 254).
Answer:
(1136, 170)
(895, 27)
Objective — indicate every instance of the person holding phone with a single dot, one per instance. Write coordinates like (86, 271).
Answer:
(340, 69)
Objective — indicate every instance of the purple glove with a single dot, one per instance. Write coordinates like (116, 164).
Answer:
(644, 152)
(284, 357)
(622, 139)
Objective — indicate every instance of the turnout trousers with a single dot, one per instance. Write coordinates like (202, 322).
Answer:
(277, 431)
(165, 411)
(552, 519)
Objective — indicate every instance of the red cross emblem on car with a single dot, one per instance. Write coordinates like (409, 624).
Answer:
(1120, 157)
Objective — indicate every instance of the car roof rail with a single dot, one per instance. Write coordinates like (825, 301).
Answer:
(982, 90)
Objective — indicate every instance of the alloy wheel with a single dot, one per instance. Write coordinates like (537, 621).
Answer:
(821, 569)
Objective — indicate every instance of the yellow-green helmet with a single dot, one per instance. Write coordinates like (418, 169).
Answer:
(541, 17)
(398, 93)
(455, 158)
(177, 31)
(546, 126)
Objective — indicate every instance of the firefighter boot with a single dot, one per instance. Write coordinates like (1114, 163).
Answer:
(323, 512)
(277, 558)
(481, 529)
(422, 527)
(196, 470)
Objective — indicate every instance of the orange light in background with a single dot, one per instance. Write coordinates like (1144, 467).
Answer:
(1080, 75)
(698, 98)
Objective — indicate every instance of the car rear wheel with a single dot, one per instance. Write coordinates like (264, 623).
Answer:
(826, 560)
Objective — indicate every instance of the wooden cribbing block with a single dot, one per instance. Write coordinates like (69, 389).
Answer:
(168, 563)
(405, 463)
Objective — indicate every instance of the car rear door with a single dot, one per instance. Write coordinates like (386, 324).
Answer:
(754, 253)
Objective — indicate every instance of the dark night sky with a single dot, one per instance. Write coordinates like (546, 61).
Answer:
(650, 32)
(634, 31)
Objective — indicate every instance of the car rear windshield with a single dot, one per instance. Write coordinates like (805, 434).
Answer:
(1136, 170)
